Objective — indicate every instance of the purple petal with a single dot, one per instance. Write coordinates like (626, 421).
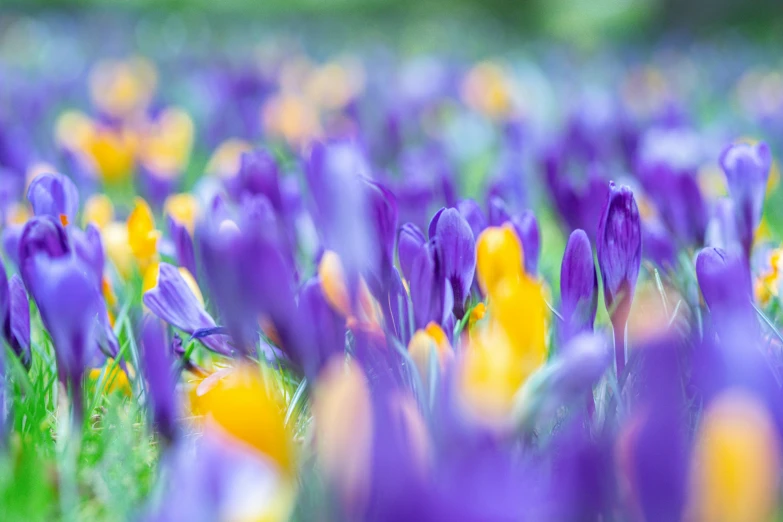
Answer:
(174, 302)
(20, 318)
(457, 249)
(619, 248)
(526, 227)
(578, 284)
(157, 365)
(410, 243)
(183, 246)
(747, 169)
(55, 195)
(473, 214)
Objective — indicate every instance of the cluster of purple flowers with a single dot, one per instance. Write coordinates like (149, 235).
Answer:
(388, 332)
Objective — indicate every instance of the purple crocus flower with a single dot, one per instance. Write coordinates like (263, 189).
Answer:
(526, 227)
(747, 168)
(383, 219)
(334, 175)
(258, 175)
(15, 316)
(173, 301)
(498, 212)
(183, 245)
(457, 250)
(326, 327)
(157, 364)
(55, 195)
(577, 202)
(473, 214)
(619, 250)
(431, 296)
(70, 308)
(656, 455)
(88, 246)
(578, 285)
(250, 275)
(724, 280)
(410, 243)
(41, 236)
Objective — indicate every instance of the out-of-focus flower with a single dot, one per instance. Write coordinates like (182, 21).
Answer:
(498, 255)
(410, 243)
(725, 283)
(737, 439)
(183, 245)
(258, 174)
(488, 88)
(70, 307)
(226, 159)
(115, 380)
(184, 208)
(342, 409)
(578, 285)
(456, 247)
(142, 235)
(427, 343)
(121, 88)
(99, 210)
(158, 368)
(54, 195)
(747, 168)
(166, 143)
(173, 295)
(242, 405)
(619, 250)
(473, 214)
(15, 316)
(326, 327)
(215, 478)
(291, 117)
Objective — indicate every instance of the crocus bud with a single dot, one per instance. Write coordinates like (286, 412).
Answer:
(526, 227)
(410, 242)
(578, 285)
(457, 250)
(619, 251)
(473, 214)
(431, 296)
(258, 175)
(747, 168)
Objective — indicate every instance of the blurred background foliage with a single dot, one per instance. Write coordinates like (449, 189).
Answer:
(581, 22)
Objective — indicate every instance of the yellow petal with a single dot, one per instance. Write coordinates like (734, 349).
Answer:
(184, 208)
(498, 256)
(241, 405)
(224, 162)
(332, 279)
(342, 410)
(142, 236)
(115, 240)
(736, 462)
